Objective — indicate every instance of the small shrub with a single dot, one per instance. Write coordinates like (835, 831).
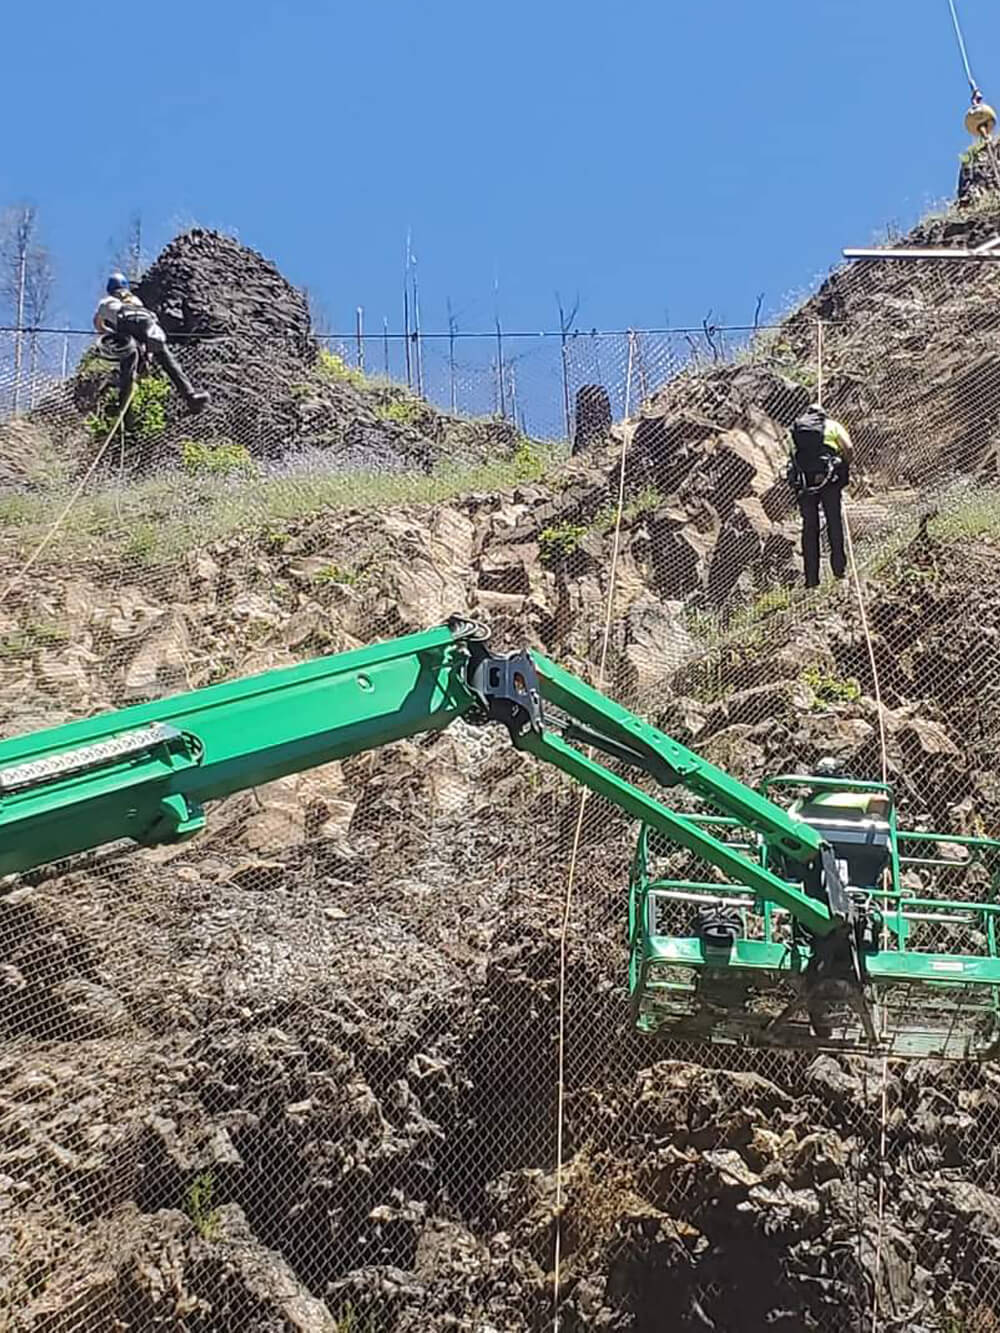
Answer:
(350, 1322)
(46, 632)
(276, 539)
(972, 152)
(334, 574)
(334, 367)
(403, 411)
(219, 458)
(559, 542)
(92, 366)
(199, 1206)
(828, 689)
(804, 375)
(17, 509)
(146, 418)
(649, 498)
(527, 461)
(791, 366)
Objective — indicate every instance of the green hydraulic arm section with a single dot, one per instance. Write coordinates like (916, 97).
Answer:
(145, 773)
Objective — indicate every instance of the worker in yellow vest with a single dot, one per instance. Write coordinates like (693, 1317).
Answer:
(818, 472)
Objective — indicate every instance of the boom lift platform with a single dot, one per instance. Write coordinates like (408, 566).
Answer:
(806, 937)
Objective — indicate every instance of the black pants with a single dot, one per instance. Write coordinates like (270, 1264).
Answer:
(829, 496)
(133, 336)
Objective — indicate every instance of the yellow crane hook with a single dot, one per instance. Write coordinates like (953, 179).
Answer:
(980, 119)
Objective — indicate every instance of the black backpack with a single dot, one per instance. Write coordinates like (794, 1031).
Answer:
(811, 452)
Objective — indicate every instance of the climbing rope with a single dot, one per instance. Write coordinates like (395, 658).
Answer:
(884, 1109)
(571, 878)
(961, 47)
(884, 751)
(61, 518)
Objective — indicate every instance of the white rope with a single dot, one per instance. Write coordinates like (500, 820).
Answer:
(819, 362)
(571, 880)
(43, 544)
(961, 45)
(883, 747)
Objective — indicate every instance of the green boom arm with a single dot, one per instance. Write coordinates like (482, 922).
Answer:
(145, 772)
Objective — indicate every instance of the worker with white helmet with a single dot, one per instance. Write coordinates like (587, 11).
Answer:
(133, 329)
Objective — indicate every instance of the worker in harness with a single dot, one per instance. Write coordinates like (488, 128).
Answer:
(133, 332)
(818, 472)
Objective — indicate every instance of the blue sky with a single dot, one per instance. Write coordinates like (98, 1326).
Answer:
(658, 157)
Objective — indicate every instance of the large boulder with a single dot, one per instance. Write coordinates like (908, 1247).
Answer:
(205, 284)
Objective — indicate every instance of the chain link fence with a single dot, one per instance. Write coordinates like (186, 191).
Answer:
(361, 1057)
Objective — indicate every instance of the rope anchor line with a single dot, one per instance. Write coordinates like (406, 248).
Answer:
(36, 554)
(980, 119)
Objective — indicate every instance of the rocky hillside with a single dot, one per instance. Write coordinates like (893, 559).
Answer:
(279, 395)
(301, 1073)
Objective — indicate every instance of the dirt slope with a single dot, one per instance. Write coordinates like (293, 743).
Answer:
(306, 1066)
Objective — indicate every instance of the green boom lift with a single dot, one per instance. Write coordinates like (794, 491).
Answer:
(806, 935)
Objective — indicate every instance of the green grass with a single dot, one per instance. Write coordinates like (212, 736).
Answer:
(351, 1322)
(648, 499)
(32, 636)
(744, 622)
(976, 517)
(158, 519)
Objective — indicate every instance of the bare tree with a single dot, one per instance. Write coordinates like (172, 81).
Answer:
(565, 325)
(25, 281)
(39, 282)
(452, 331)
(127, 252)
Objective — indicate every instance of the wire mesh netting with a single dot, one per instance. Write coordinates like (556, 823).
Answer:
(361, 1056)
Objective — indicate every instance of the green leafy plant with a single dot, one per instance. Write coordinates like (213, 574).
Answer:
(527, 462)
(972, 152)
(804, 375)
(770, 601)
(275, 538)
(350, 1322)
(560, 541)
(199, 1205)
(215, 458)
(829, 689)
(403, 411)
(146, 417)
(333, 367)
(92, 366)
(335, 574)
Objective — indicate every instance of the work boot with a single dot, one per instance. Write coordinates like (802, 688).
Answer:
(197, 401)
